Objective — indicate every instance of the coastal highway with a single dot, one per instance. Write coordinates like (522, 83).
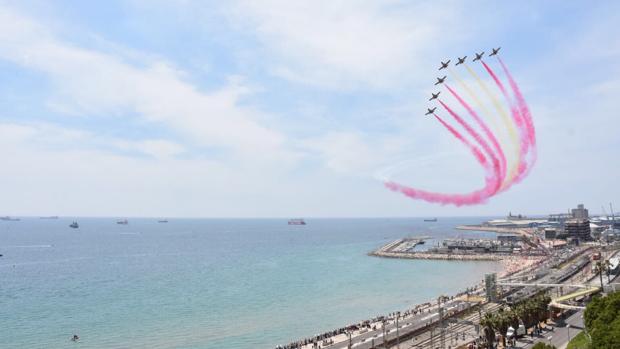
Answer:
(407, 325)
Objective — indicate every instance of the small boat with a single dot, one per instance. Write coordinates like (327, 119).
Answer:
(296, 221)
(7, 218)
(162, 221)
(49, 217)
(124, 221)
(431, 220)
(74, 225)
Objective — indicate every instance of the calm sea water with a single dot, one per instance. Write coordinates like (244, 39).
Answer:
(209, 283)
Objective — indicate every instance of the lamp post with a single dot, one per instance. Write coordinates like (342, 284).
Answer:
(397, 333)
(383, 330)
(568, 331)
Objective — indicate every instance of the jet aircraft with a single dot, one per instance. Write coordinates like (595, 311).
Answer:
(444, 65)
(440, 80)
(478, 56)
(461, 60)
(430, 111)
(495, 51)
(435, 95)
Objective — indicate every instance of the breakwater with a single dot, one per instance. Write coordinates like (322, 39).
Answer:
(404, 248)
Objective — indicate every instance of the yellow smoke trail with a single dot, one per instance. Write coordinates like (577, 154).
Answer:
(512, 133)
(485, 112)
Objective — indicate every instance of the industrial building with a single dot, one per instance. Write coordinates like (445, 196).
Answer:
(577, 229)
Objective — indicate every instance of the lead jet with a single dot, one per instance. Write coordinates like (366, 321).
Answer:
(435, 95)
(430, 111)
(444, 65)
(478, 56)
(440, 80)
(495, 51)
(461, 60)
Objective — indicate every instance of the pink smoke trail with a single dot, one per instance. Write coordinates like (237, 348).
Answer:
(472, 198)
(524, 146)
(525, 114)
(479, 140)
(486, 130)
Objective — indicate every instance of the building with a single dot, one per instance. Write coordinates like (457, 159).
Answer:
(577, 229)
(559, 217)
(508, 238)
(580, 212)
(550, 233)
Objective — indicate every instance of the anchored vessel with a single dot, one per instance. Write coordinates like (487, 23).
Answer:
(296, 221)
(74, 225)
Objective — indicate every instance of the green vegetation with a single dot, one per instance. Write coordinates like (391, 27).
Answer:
(580, 341)
(541, 345)
(602, 320)
(530, 312)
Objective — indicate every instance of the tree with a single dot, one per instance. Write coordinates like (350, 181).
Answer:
(602, 320)
(503, 320)
(600, 267)
(488, 328)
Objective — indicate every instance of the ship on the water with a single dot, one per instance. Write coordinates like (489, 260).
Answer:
(296, 221)
(431, 220)
(162, 221)
(123, 221)
(48, 217)
(74, 225)
(7, 218)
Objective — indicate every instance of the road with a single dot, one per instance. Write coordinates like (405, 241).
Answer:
(559, 336)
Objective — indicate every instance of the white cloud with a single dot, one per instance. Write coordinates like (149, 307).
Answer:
(346, 43)
(90, 82)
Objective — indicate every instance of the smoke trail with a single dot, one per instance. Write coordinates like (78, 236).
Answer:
(486, 130)
(507, 122)
(493, 159)
(479, 139)
(519, 122)
(472, 198)
(525, 111)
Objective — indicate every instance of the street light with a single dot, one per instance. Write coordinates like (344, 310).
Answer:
(383, 329)
(568, 331)
(397, 333)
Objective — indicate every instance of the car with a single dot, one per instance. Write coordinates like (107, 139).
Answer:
(516, 334)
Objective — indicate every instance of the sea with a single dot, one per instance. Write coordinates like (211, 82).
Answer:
(211, 283)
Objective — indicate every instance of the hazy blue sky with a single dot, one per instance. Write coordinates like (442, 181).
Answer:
(290, 108)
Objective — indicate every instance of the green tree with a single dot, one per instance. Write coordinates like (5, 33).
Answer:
(488, 328)
(503, 320)
(602, 320)
(600, 267)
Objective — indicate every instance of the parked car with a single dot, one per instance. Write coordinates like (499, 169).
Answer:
(516, 334)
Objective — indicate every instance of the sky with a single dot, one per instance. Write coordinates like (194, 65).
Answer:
(291, 108)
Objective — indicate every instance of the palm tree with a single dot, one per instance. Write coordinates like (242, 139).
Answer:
(503, 320)
(600, 267)
(488, 324)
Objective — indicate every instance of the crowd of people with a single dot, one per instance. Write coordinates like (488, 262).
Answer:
(325, 339)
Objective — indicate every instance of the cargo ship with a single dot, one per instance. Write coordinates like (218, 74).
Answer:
(296, 221)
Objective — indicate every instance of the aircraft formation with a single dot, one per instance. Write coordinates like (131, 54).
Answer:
(502, 139)
(460, 60)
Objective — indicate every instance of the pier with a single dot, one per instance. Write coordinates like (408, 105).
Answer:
(451, 249)
(403, 247)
